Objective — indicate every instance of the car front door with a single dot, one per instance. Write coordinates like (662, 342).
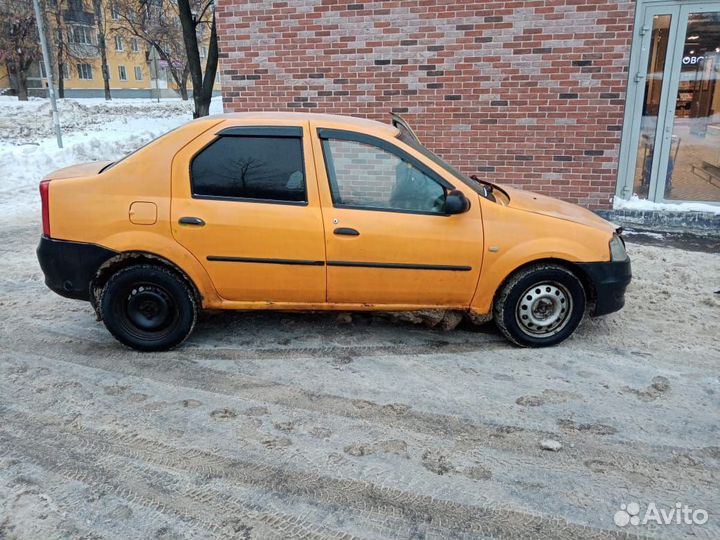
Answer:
(388, 240)
(245, 203)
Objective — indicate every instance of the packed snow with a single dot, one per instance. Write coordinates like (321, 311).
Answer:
(93, 130)
(636, 203)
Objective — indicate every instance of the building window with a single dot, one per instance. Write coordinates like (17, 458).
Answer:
(122, 72)
(138, 73)
(85, 71)
(119, 45)
(65, 71)
(248, 167)
(81, 35)
(135, 45)
(114, 11)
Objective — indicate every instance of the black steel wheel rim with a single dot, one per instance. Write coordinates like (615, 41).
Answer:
(147, 310)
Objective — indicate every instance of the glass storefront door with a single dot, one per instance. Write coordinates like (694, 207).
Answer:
(693, 171)
(671, 146)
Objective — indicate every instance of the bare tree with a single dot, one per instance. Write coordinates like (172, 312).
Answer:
(99, 9)
(194, 16)
(19, 42)
(156, 22)
(61, 34)
(54, 9)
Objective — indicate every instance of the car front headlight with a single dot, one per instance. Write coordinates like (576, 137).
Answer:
(617, 249)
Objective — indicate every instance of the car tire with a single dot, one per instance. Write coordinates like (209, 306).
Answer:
(540, 306)
(148, 308)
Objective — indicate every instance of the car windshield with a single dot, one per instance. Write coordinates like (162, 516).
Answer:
(484, 189)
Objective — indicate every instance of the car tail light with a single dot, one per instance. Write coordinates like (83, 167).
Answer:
(45, 198)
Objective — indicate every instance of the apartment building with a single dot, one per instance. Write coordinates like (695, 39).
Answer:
(135, 70)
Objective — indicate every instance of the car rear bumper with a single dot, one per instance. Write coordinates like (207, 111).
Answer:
(69, 267)
(609, 280)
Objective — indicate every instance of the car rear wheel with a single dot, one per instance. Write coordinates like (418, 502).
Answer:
(148, 308)
(540, 306)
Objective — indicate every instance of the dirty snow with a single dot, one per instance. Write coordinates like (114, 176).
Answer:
(287, 426)
(636, 203)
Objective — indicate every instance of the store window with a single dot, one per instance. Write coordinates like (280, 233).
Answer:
(694, 167)
(674, 134)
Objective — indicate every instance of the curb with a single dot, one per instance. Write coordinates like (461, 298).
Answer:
(701, 223)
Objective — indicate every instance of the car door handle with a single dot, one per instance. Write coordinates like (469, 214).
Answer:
(346, 231)
(188, 220)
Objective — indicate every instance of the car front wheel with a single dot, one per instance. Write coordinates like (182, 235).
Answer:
(148, 308)
(540, 306)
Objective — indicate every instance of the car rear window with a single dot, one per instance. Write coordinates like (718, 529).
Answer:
(257, 168)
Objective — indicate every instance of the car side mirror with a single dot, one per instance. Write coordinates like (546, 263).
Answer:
(456, 202)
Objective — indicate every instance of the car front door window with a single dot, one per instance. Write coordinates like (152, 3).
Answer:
(364, 176)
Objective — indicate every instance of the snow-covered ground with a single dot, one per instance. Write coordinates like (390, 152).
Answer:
(93, 130)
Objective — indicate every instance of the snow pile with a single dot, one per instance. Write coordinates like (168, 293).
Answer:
(636, 203)
(27, 122)
(93, 132)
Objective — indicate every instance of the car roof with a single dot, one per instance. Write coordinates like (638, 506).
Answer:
(351, 122)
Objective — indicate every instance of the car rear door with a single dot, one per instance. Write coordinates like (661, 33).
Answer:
(388, 241)
(245, 203)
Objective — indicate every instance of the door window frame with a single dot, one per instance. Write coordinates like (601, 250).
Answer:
(642, 35)
(327, 134)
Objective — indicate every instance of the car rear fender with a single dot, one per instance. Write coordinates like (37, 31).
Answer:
(137, 244)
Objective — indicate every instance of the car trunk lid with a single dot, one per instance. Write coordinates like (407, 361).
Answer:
(74, 171)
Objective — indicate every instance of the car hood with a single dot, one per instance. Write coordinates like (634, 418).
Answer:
(83, 169)
(547, 206)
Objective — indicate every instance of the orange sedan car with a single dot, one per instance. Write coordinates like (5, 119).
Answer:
(287, 211)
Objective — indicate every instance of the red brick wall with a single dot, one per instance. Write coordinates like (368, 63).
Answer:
(526, 92)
